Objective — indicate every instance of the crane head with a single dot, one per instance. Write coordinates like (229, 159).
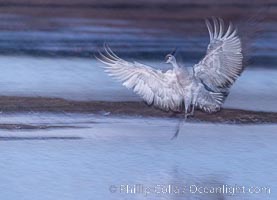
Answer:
(169, 58)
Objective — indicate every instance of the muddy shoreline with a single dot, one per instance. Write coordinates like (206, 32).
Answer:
(10, 105)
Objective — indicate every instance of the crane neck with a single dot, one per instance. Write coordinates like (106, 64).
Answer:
(174, 64)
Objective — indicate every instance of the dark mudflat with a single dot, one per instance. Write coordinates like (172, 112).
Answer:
(55, 105)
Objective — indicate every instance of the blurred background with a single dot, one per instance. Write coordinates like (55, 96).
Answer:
(142, 28)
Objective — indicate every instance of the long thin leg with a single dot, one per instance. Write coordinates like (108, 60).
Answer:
(181, 121)
(193, 105)
(192, 110)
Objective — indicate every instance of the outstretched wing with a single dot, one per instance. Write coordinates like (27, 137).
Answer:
(155, 87)
(222, 63)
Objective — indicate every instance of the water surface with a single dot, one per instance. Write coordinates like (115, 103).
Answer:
(126, 151)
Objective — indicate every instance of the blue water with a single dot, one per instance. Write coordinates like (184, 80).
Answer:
(84, 79)
(112, 153)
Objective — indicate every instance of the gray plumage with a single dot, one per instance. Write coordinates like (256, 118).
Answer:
(205, 87)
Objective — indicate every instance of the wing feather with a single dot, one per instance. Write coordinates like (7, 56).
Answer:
(222, 63)
(157, 88)
(209, 101)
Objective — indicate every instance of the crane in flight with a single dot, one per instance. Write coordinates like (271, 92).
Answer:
(205, 87)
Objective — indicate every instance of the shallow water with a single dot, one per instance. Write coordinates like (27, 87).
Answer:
(112, 152)
(84, 79)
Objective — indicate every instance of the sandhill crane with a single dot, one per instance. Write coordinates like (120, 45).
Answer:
(178, 89)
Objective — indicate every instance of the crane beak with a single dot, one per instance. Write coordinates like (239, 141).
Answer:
(174, 51)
